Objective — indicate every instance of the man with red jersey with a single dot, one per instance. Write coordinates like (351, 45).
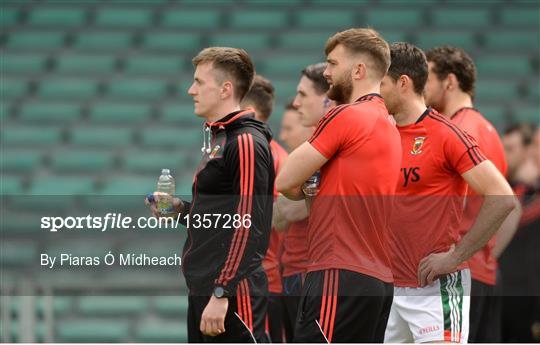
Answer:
(431, 278)
(347, 293)
(260, 98)
(449, 90)
(292, 217)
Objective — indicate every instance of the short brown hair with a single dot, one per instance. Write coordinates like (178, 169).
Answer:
(409, 60)
(261, 96)
(315, 73)
(365, 41)
(454, 60)
(233, 62)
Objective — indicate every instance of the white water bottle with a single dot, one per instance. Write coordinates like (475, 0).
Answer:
(166, 189)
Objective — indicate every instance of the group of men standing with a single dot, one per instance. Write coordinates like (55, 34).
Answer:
(378, 226)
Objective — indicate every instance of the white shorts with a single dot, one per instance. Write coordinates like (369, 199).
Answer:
(439, 312)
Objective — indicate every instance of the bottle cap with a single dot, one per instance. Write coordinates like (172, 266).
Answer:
(165, 172)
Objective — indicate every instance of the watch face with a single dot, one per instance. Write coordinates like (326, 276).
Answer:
(219, 292)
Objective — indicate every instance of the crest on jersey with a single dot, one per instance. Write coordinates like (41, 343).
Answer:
(417, 145)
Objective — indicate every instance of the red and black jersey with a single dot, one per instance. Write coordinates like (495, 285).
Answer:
(235, 179)
(430, 193)
(348, 222)
(482, 264)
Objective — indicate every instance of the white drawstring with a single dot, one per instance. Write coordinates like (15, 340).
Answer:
(205, 148)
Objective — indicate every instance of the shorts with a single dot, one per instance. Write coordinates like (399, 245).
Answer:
(438, 312)
(342, 306)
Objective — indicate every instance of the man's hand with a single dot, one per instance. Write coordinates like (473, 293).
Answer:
(213, 316)
(435, 265)
(153, 199)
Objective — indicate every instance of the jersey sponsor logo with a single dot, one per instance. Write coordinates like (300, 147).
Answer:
(410, 175)
(417, 145)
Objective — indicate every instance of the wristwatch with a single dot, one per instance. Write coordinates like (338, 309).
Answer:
(219, 292)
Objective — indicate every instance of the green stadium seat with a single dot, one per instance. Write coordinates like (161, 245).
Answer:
(493, 90)
(50, 112)
(503, 66)
(40, 329)
(31, 136)
(533, 91)
(172, 137)
(162, 332)
(180, 113)
(35, 40)
(171, 305)
(94, 331)
(392, 36)
(523, 17)
(111, 305)
(86, 161)
(251, 19)
(172, 41)
(62, 185)
(137, 89)
(17, 252)
(130, 186)
(22, 63)
(20, 161)
(248, 41)
(60, 304)
(330, 19)
(278, 3)
(86, 64)
(9, 184)
(192, 19)
(496, 114)
(464, 40)
(461, 18)
(285, 90)
(101, 136)
(13, 88)
(527, 113)
(66, 17)
(147, 161)
(5, 108)
(9, 17)
(68, 88)
(154, 64)
(120, 112)
(125, 17)
(512, 40)
(290, 65)
(303, 40)
(22, 223)
(393, 18)
(103, 41)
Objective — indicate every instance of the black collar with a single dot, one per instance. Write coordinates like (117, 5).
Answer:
(424, 114)
(368, 97)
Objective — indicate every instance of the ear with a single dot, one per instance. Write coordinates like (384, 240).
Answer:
(452, 82)
(403, 81)
(226, 89)
(359, 71)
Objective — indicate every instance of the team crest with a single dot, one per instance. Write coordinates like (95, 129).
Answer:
(417, 145)
(214, 151)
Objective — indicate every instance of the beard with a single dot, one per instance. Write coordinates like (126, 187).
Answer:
(341, 91)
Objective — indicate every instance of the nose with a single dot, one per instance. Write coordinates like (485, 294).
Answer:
(296, 102)
(191, 90)
(326, 73)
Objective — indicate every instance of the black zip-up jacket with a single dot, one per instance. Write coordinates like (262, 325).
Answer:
(235, 180)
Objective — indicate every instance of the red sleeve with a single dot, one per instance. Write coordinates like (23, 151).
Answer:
(332, 132)
(462, 150)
